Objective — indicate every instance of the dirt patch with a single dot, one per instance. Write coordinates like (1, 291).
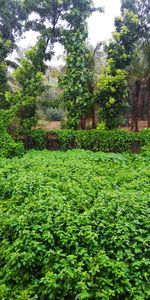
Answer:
(142, 125)
(52, 125)
(48, 125)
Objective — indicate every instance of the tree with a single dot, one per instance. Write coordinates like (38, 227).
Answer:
(96, 62)
(11, 17)
(145, 58)
(141, 8)
(4, 50)
(48, 21)
(112, 92)
(120, 50)
(137, 80)
(52, 17)
(77, 95)
(30, 81)
(77, 80)
(142, 52)
(112, 88)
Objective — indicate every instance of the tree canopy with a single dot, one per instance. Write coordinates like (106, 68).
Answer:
(66, 22)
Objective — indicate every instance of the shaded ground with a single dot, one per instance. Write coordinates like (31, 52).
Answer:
(52, 125)
(142, 125)
(49, 125)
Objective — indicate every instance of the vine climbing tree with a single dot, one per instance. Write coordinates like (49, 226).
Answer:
(77, 91)
(112, 88)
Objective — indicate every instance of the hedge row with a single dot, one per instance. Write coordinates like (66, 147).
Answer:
(106, 141)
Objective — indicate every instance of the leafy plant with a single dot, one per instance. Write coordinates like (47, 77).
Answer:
(8, 147)
(77, 79)
(112, 92)
(112, 88)
(95, 140)
(74, 225)
(54, 114)
(30, 80)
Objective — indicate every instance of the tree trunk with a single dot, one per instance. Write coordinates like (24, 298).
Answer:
(93, 119)
(141, 103)
(135, 108)
(142, 110)
(134, 124)
(82, 122)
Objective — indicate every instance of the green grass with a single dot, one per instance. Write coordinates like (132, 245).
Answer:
(75, 225)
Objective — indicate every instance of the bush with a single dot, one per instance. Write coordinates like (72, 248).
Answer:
(95, 140)
(74, 225)
(36, 139)
(146, 147)
(8, 147)
(54, 114)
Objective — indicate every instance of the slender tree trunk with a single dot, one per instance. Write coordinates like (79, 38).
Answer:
(134, 126)
(93, 119)
(82, 122)
(142, 110)
(141, 103)
(135, 108)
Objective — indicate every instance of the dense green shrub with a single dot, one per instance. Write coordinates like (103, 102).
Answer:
(95, 140)
(36, 139)
(146, 145)
(54, 114)
(8, 147)
(75, 225)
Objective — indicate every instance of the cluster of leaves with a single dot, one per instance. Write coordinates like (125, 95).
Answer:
(77, 90)
(8, 147)
(112, 88)
(50, 15)
(112, 94)
(141, 9)
(139, 69)
(30, 80)
(4, 50)
(27, 75)
(146, 146)
(75, 81)
(75, 225)
(12, 14)
(120, 50)
(11, 17)
(35, 139)
(95, 140)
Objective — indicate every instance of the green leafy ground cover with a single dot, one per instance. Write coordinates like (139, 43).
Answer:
(75, 225)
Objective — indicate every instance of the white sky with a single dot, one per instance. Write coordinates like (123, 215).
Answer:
(101, 25)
